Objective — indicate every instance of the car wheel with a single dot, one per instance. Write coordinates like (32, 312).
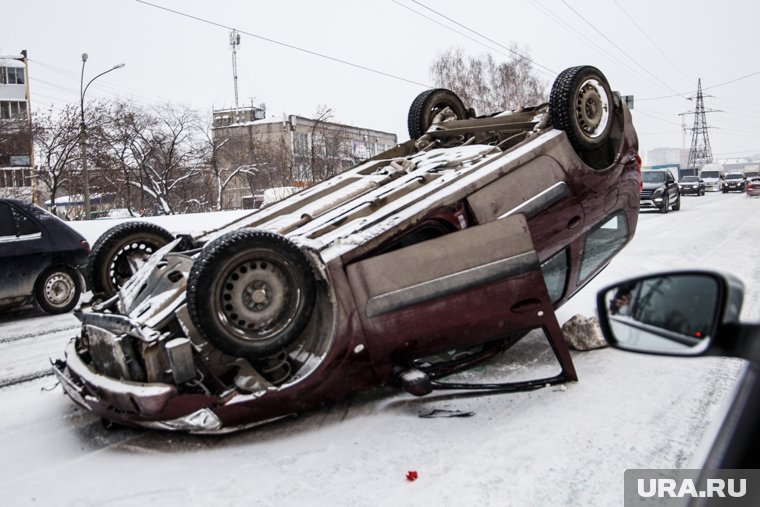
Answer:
(677, 204)
(57, 290)
(428, 104)
(120, 252)
(251, 293)
(665, 205)
(581, 105)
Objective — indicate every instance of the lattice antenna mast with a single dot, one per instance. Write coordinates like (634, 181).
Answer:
(234, 43)
(700, 152)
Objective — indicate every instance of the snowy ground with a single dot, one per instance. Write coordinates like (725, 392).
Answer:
(564, 445)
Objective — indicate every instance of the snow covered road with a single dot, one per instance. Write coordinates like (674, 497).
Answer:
(563, 445)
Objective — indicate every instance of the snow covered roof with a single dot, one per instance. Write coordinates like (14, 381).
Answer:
(6, 61)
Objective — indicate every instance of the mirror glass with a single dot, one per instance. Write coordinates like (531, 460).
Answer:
(672, 314)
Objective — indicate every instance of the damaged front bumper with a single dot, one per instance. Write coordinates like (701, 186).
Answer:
(133, 403)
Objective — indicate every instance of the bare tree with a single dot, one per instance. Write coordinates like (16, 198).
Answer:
(119, 138)
(486, 85)
(228, 158)
(56, 143)
(165, 153)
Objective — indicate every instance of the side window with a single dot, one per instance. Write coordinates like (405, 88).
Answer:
(7, 223)
(555, 275)
(26, 225)
(602, 242)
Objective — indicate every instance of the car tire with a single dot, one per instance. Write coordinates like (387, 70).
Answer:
(581, 104)
(677, 204)
(251, 293)
(108, 266)
(57, 290)
(665, 205)
(429, 103)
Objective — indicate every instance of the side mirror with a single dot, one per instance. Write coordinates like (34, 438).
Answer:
(678, 313)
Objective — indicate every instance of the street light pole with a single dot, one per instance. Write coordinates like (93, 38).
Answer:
(83, 133)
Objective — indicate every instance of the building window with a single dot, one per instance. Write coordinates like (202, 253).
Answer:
(11, 75)
(10, 178)
(12, 109)
(301, 142)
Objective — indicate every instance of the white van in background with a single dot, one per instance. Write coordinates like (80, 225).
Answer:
(712, 175)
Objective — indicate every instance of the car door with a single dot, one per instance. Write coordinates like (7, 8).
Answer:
(672, 188)
(22, 252)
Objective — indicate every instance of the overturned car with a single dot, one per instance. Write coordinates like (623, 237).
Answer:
(464, 238)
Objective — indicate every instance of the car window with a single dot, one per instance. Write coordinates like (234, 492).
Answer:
(7, 222)
(653, 177)
(555, 275)
(26, 226)
(603, 242)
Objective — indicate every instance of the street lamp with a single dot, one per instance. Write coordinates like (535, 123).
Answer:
(83, 132)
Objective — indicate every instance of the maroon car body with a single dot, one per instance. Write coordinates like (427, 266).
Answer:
(753, 187)
(464, 238)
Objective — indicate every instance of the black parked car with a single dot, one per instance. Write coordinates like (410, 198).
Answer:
(41, 259)
(692, 185)
(659, 190)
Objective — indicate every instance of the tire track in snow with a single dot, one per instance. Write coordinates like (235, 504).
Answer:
(24, 356)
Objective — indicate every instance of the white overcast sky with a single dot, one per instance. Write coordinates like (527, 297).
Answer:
(647, 48)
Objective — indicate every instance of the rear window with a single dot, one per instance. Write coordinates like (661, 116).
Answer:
(25, 224)
(650, 177)
(7, 222)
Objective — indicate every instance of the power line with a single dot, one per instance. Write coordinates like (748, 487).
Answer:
(657, 46)
(515, 53)
(577, 33)
(461, 33)
(652, 115)
(706, 88)
(285, 44)
(666, 85)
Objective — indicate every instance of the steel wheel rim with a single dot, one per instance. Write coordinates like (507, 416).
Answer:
(257, 296)
(127, 261)
(59, 290)
(592, 108)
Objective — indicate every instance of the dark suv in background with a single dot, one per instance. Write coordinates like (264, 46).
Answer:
(659, 190)
(41, 259)
(734, 182)
(692, 185)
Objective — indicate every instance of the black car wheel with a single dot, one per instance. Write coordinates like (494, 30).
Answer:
(677, 204)
(665, 204)
(581, 105)
(57, 290)
(428, 104)
(251, 293)
(119, 253)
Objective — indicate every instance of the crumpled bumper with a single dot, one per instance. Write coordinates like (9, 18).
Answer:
(149, 405)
